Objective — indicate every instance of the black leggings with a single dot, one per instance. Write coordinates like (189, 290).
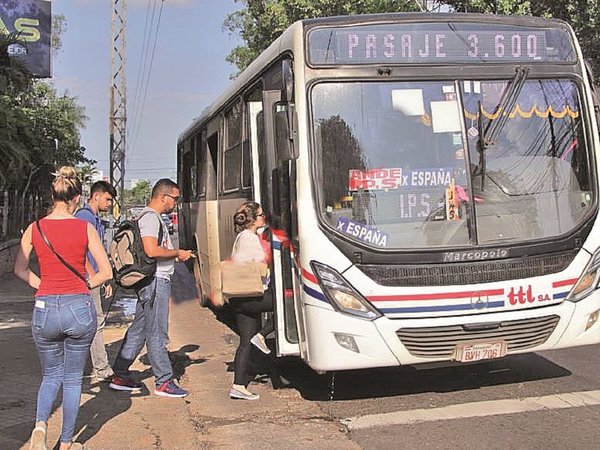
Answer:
(247, 316)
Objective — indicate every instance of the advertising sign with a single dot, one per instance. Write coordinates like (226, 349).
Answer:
(31, 22)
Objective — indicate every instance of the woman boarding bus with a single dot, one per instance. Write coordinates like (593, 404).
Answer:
(436, 175)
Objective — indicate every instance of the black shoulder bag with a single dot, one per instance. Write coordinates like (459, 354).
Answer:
(60, 258)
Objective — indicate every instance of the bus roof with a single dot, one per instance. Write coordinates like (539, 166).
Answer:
(431, 17)
(279, 45)
(285, 40)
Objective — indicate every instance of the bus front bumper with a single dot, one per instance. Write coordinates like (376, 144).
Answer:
(341, 342)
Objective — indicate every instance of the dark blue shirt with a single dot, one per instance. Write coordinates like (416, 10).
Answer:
(86, 213)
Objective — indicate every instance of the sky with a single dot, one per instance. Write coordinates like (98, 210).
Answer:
(189, 71)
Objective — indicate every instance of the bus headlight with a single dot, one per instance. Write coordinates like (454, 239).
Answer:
(341, 294)
(588, 281)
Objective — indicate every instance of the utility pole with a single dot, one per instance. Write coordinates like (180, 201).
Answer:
(118, 100)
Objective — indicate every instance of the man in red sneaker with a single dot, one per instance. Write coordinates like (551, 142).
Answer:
(150, 325)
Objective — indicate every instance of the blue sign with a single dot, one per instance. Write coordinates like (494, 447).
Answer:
(30, 21)
(362, 232)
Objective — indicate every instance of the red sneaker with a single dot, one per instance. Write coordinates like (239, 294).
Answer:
(125, 384)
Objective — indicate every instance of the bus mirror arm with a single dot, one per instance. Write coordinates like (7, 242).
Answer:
(293, 130)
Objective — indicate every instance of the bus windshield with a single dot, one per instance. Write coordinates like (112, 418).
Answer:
(401, 164)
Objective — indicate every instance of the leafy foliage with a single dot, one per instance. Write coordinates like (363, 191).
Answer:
(341, 152)
(39, 132)
(138, 194)
(582, 15)
(260, 22)
(59, 26)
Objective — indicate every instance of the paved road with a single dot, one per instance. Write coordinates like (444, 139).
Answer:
(534, 401)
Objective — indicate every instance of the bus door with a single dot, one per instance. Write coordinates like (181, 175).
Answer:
(187, 161)
(277, 188)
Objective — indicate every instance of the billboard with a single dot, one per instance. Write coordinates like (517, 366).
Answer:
(31, 21)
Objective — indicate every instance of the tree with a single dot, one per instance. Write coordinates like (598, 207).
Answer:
(138, 194)
(39, 132)
(59, 27)
(340, 152)
(14, 80)
(582, 15)
(260, 22)
(85, 172)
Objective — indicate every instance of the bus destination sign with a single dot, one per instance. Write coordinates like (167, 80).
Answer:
(437, 44)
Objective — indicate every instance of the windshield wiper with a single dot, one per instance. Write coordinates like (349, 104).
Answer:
(489, 135)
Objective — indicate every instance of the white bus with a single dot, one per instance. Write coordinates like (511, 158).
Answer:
(436, 175)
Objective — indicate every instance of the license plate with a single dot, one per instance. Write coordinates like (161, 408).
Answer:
(470, 352)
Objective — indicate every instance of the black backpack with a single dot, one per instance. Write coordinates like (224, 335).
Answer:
(132, 268)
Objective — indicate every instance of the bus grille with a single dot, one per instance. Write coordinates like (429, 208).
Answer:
(440, 342)
(467, 273)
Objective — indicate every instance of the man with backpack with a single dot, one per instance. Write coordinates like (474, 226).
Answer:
(150, 325)
(101, 198)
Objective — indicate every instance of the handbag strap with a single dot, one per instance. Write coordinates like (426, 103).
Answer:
(60, 258)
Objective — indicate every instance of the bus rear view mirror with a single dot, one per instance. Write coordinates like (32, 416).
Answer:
(287, 73)
(285, 149)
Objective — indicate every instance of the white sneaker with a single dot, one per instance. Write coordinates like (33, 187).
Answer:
(242, 394)
(259, 341)
(38, 439)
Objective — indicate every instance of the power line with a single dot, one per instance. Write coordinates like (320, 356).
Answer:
(142, 70)
(143, 103)
(142, 65)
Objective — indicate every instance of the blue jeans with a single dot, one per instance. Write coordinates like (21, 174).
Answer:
(63, 327)
(150, 326)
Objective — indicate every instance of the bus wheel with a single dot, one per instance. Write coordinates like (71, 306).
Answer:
(198, 280)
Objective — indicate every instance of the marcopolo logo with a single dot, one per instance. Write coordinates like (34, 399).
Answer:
(479, 301)
(476, 255)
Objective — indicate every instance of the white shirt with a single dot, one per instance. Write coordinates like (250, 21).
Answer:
(247, 248)
(149, 226)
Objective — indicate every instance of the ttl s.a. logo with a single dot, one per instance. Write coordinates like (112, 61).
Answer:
(523, 295)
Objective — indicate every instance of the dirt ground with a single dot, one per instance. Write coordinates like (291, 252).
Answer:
(201, 349)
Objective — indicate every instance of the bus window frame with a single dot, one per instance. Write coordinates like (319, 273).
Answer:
(201, 158)
(187, 149)
(247, 141)
(226, 147)
(212, 137)
(371, 255)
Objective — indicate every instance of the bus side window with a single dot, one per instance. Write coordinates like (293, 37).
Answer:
(212, 144)
(266, 194)
(232, 157)
(200, 150)
(188, 168)
(193, 168)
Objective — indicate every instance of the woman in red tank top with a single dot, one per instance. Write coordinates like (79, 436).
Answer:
(64, 315)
